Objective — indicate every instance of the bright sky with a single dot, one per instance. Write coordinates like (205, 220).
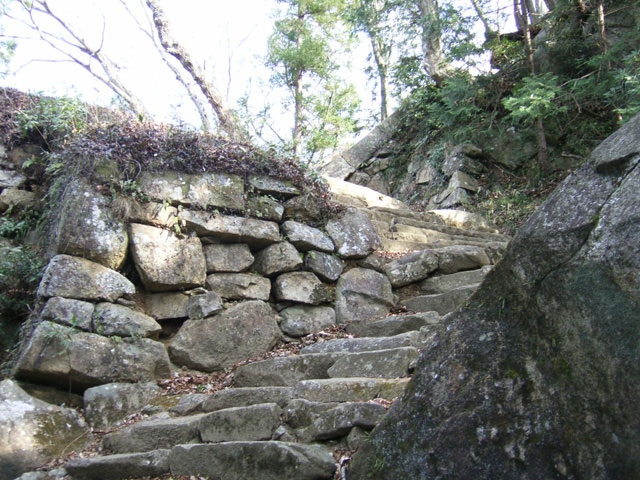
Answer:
(228, 38)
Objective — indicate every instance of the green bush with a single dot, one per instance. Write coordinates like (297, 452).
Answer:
(21, 270)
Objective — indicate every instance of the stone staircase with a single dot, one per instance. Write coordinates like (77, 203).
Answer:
(298, 416)
(291, 417)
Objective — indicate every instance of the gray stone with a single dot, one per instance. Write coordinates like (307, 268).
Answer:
(462, 180)
(265, 208)
(205, 190)
(215, 343)
(326, 266)
(239, 286)
(78, 360)
(465, 220)
(305, 238)
(365, 344)
(86, 227)
(74, 277)
(108, 405)
(350, 389)
(32, 432)
(392, 363)
(166, 305)
(117, 320)
(17, 200)
(166, 261)
(451, 197)
(305, 208)
(353, 234)
(69, 312)
(301, 320)
(148, 213)
(539, 375)
(373, 262)
(227, 257)
(243, 397)
(411, 268)
(393, 324)
(460, 159)
(303, 287)
(442, 303)
(253, 461)
(273, 186)
(155, 433)
(116, 467)
(284, 371)
(461, 257)
(277, 258)
(204, 305)
(255, 233)
(11, 179)
(338, 421)
(254, 422)
(362, 293)
(445, 283)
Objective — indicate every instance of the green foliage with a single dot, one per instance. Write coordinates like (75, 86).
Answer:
(52, 120)
(21, 269)
(18, 226)
(536, 97)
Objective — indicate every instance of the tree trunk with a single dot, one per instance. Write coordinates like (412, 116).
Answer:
(383, 68)
(432, 58)
(225, 116)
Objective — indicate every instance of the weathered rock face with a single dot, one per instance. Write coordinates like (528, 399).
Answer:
(33, 432)
(214, 343)
(539, 376)
(362, 293)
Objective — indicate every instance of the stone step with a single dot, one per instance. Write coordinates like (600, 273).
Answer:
(365, 344)
(442, 303)
(350, 389)
(242, 460)
(394, 324)
(445, 283)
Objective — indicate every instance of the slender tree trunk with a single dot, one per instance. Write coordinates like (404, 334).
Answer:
(297, 118)
(432, 58)
(543, 150)
(383, 68)
(228, 122)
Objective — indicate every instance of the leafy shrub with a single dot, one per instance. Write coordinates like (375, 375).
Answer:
(21, 269)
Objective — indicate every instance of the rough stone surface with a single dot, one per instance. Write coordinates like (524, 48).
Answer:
(338, 421)
(350, 390)
(264, 208)
(87, 228)
(442, 303)
(364, 344)
(108, 405)
(461, 257)
(272, 186)
(69, 312)
(284, 371)
(204, 305)
(155, 433)
(277, 258)
(301, 320)
(166, 305)
(254, 422)
(209, 189)
(539, 376)
(77, 360)
(17, 200)
(444, 283)
(255, 233)
(303, 287)
(239, 286)
(411, 268)
(353, 234)
(393, 324)
(227, 257)
(243, 397)
(33, 432)
(116, 467)
(253, 461)
(166, 261)
(393, 363)
(11, 179)
(326, 266)
(362, 293)
(117, 320)
(305, 238)
(74, 277)
(215, 343)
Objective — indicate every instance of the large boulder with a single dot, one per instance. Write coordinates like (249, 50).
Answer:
(227, 257)
(106, 406)
(88, 228)
(539, 376)
(166, 261)
(361, 294)
(33, 432)
(353, 234)
(215, 343)
(277, 258)
(110, 319)
(74, 277)
(76, 360)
